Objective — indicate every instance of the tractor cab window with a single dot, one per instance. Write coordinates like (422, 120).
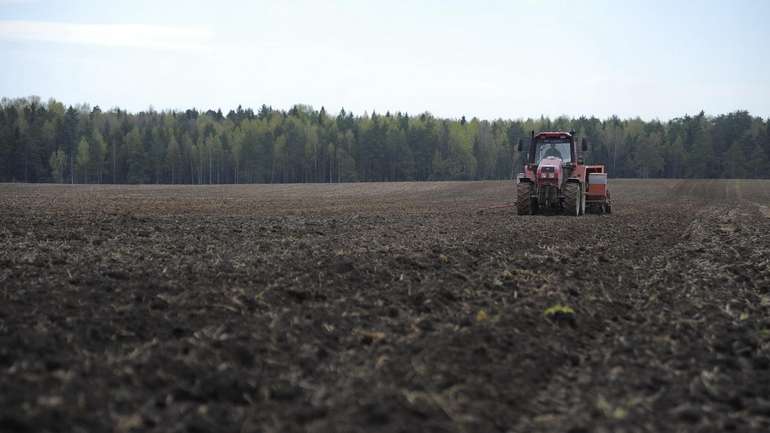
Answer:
(556, 148)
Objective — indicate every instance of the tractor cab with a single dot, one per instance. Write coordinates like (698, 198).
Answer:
(552, 144)
(560, 148)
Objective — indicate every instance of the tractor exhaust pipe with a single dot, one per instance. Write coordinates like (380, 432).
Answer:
(531, 153)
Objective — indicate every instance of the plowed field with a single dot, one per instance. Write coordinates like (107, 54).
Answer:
(414, 307)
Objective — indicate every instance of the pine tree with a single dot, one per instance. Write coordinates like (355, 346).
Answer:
(172, 156)
(83, 158)
(735, 161)
(98, 153)
(135, 156)
(57, 161)
(758, 163)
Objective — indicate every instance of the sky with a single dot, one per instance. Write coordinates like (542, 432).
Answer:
(488, 59)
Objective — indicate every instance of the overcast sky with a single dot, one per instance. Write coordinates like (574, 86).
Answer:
(487, 59)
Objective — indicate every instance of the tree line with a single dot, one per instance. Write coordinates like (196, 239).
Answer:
(51, 142)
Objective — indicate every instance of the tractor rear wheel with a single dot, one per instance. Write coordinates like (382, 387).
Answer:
(523, 201)
(572, 199)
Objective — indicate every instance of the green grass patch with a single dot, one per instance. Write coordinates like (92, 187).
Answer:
(559, 309)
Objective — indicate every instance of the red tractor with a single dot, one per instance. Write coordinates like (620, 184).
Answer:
(555, 178)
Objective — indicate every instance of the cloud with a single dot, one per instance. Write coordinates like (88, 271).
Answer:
(108, 35)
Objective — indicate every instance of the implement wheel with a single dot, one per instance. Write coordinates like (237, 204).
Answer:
(572, 199)
(523, 202)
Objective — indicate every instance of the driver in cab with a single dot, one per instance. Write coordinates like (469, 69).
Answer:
(552, 151)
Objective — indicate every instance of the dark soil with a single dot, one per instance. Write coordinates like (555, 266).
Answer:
(383, 307)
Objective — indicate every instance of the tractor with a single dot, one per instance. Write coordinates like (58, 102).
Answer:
(555, 178)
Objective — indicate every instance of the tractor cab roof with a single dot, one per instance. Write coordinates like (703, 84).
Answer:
(552, 135)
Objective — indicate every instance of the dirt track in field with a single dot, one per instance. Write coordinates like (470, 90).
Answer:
(383, 307)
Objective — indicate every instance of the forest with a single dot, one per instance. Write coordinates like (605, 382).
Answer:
(50, 142)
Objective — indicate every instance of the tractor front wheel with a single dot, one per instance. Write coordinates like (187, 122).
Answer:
(523, 200)
(572, 199)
